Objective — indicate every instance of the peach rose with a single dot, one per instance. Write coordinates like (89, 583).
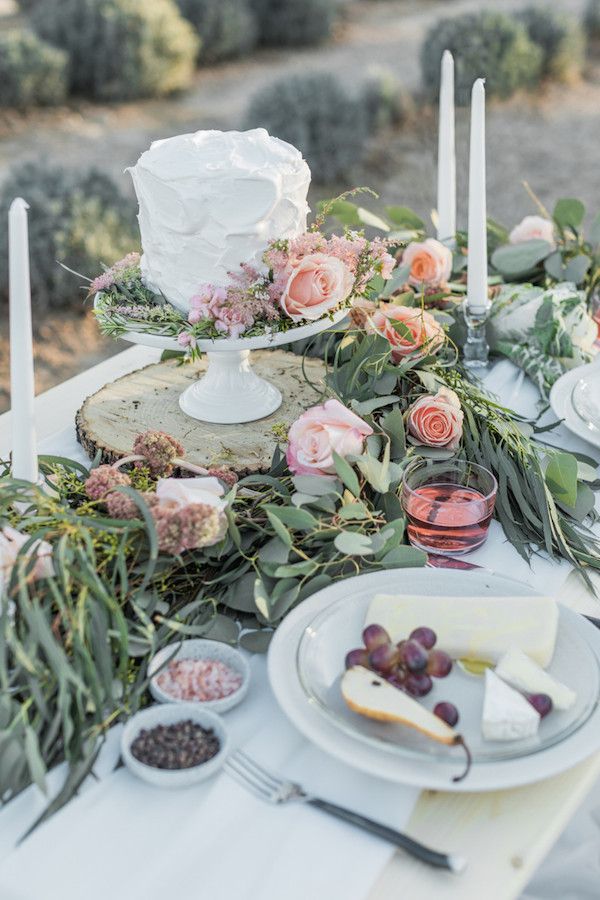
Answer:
(318, 432)
(436, 420)
(317, 284)
(533, 228)
(430, 263)
(421, 333)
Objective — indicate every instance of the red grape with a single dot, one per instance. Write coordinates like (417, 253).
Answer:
(397, 680)
(374, 636)
(425, 636)
(414, 656)
(359, 657)
(418, 685)
(446, 711)
(542, 703)
(384, 658)
(439, 664)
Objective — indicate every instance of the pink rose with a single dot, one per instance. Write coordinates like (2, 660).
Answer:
(421, 334)
(318, 432)
(436, 420)
(11, 544)
(184, 491)
(316, 284)
(430, 263)
(533, 228)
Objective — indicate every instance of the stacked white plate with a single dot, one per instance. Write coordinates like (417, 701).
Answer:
(575, 398)
(306, 661)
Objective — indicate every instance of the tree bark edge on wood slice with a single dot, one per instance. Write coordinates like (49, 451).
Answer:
(109, 420)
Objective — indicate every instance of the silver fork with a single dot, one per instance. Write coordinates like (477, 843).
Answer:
(269, 787)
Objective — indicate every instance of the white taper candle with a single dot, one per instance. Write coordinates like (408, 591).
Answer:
(22, 390)
(446, 185)
(477, 290)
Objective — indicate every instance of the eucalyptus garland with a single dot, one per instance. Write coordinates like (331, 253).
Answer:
(74, 646)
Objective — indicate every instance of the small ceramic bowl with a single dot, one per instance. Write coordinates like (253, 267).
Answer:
(201, 649)
(161, 714)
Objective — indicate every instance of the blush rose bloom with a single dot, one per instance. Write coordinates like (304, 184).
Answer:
(11, 542)
(321, 430)
(533, 228)
(430, 263)
(425, 336)
(316, 285)
(183, 491)
(436, 420)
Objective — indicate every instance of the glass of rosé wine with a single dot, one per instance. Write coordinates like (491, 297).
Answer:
(448, 505)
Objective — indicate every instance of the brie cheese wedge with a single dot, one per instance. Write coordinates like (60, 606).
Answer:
(475, 628)
(523, 673)
(507, 715)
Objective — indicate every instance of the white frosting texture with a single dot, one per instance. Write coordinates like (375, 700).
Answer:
(212, 200)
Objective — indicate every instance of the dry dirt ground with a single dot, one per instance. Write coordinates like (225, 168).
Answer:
(550, 139)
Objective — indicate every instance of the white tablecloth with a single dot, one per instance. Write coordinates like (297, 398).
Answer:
(123, 839)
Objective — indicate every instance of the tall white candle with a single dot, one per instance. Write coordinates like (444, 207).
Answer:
(446, 186)
(477, 290)
(22, 392)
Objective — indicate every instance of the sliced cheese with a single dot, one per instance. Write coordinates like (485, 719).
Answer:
(477, 628)
(523, 673)
(370, 695)
(507, 715)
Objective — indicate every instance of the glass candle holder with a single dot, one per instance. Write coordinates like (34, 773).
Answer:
(448, 505)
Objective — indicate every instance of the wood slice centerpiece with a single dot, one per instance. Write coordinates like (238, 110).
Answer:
(110, 419)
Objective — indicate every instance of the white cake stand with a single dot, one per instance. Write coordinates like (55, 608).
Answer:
(230, 393)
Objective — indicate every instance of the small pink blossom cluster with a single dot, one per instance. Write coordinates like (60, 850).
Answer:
(234, 309)
(160, 451)
(104, 479)
(114, 275)
(363, 258)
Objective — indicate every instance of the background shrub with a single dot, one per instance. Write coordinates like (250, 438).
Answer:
(314, 113)
(386, 103)
(561, 41)
(32, 73)
(295, 21)
(120, 49)
(485, 44)
(591, 19)
(227, 28)
(78, 218)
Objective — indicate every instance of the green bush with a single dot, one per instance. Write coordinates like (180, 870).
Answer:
(295, 22)
(314, 113)
(485, 44)
(32, 73)
(386, 103)
(561, 41)
(120, 49)
(591, 19)
(78, 218)
(227, 28)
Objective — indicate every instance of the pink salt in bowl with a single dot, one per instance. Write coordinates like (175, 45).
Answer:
(209, 673)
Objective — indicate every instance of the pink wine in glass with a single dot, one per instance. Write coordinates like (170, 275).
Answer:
(447, 518)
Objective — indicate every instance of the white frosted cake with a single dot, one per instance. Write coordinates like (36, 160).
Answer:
(213, 200)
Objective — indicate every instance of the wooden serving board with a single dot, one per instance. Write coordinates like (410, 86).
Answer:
(148, 398)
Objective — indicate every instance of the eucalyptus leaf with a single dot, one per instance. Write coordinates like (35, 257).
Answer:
(346, 474)
(561, 478)
(256, 641)
(568, 213)
(403, 217)
(515, 260)
(353, 543)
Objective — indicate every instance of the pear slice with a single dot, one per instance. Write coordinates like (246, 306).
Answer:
(368, 694)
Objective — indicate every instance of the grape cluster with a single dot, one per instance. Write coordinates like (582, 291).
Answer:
(410, 665)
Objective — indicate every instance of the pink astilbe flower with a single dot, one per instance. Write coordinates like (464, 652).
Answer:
(103, 480)
(159, 450)
(201, 525)
(112, 276)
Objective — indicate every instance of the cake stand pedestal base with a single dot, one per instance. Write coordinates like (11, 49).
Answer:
(109, 420)
(230, 391)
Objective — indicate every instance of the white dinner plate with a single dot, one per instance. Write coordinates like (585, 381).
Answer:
(561, 401)
(433, 770)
